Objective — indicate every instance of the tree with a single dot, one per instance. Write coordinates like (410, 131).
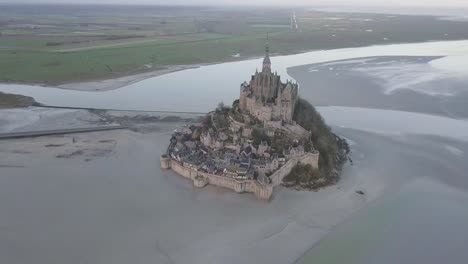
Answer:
(259, 135)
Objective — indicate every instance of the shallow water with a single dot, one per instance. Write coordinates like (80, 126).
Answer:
(390, 122)
(415, 84)
(200, 90)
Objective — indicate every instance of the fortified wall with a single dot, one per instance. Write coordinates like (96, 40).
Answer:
(261, 191)
(308, 158)
(201, 179)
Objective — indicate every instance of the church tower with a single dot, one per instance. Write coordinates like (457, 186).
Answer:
(267, 98)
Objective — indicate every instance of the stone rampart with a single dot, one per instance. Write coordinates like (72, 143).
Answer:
(308, 158)
(297, 130)
(261, 191)
(165, 161)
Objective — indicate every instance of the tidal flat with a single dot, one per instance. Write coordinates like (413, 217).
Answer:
(111, 203)
(406, 83)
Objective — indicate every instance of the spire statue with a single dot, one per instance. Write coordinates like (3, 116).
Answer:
(266, 60)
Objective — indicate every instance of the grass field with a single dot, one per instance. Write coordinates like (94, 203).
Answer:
(60, 44)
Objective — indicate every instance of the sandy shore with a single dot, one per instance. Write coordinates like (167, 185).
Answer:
(115, 83)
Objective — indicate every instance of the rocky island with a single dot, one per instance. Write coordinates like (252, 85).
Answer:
(268, 137)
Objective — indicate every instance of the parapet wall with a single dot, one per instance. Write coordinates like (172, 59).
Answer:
(261, 191)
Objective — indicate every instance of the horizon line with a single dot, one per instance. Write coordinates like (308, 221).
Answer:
(271, 6)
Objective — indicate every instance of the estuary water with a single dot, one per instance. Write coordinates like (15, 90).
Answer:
(201, 89)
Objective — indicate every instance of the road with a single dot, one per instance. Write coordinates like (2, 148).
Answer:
(58, 131)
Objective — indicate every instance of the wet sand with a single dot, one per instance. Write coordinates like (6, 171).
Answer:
(384, 83)
(39, 118)
(102, 198)
(119, 82)
(402, 228)
(423, 145)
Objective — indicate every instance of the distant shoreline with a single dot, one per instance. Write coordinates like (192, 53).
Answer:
(110, 84)
(97, 52)
(440, 12)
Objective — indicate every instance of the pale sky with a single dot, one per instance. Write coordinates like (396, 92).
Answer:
(413, 3)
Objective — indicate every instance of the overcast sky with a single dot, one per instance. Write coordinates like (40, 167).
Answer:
(422, 3)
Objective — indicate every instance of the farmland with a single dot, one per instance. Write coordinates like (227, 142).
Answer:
(56, 44)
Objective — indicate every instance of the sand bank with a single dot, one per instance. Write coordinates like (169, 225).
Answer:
(119, 82)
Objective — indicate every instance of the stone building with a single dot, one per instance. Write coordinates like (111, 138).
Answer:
(262, 148)
(206, 139)
(267, 98)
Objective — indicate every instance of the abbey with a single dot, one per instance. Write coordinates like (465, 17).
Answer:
(267, 98)
(249, 147)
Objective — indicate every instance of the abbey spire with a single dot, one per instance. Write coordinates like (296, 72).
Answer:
(266, 60)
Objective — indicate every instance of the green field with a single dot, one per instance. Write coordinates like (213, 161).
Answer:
(65, 44)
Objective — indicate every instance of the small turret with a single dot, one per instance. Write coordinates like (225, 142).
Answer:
(165, 161)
